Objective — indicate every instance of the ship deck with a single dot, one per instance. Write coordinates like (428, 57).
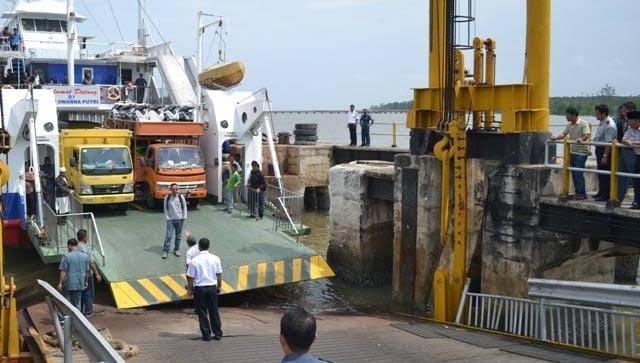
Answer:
(253, 255)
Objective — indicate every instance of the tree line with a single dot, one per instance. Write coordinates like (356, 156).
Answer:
(557, 105)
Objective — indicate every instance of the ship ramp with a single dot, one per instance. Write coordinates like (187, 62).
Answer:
(174, 75)
(128, 256)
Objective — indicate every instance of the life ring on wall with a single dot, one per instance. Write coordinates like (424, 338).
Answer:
(113, 93)
(7, 86)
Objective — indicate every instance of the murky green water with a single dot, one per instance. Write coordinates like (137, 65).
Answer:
(320, 295)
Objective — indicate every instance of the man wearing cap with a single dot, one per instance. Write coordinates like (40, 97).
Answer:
(63, 191)
(578, 131)
(630, 158)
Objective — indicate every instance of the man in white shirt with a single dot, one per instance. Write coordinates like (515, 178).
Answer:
(204, 277)
(352, 120)
(606, 132)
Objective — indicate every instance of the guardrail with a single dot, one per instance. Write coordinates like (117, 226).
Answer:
(286, 207)
(76, 325)
(614, 172)
(59, 228)
(591, 316)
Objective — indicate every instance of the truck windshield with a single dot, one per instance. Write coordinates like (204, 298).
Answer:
(105, 161)
(179, 158)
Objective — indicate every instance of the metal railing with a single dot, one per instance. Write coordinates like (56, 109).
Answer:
(614, 161)
(59, 228)
(598, 318)
(76, 325)
(286, 207)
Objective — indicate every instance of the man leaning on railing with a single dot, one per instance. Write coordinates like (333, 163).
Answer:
(630, 158)
(579, 131)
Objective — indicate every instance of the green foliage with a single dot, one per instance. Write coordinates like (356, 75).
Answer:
(557, 105)
(586, 104)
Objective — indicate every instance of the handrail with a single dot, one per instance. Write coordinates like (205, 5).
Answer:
(94, 225)
(613, 172)
(586, 292)
(77, 325)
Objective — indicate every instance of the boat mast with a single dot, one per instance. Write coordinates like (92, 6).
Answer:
(200, 32)
(142, 28)
(72, 40)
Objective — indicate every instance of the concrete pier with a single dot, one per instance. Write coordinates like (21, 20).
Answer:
(361, 226)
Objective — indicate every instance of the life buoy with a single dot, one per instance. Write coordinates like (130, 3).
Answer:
(7, 86)
(113, 93)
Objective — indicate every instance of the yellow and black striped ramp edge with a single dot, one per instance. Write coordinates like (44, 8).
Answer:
(163, 289)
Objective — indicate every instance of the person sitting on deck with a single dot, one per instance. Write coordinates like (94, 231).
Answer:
(74, 271)
(631, 157)
(297, 333)
(578, 131)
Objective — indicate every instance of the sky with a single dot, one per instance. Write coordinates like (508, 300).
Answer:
(327, 54)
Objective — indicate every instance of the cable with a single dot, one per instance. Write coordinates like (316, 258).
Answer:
(104, 34)
(115, 18)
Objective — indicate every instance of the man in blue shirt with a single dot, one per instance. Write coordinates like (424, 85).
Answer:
(74, 271)
(15, 40)
(297, 333)
(88, 295)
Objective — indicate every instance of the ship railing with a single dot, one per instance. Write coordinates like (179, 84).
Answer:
(88, 50)
(286, 207)
(71, 325)
(619, 179)
(59, 228)
(596, 317)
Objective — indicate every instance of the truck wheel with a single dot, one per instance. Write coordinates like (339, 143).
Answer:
(150, 202)
(122, 208)
(193, 203)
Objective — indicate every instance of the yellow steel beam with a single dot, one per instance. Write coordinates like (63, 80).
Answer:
(478, 74)
(615, 166)
(459, 134)
(538, 59)
(490, 49)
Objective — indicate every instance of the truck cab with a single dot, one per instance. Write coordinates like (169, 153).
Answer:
(99, 166)
(165, 164)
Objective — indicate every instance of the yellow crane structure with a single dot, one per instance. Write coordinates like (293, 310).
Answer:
(453, 95)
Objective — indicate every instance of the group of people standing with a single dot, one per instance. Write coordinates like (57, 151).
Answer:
(78, 272)
(256, 188)
(11, 40)
(625, 129)
(365, 120)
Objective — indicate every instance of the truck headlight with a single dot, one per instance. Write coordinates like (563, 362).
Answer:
(85, 189)
(128, 188)
(162, 187)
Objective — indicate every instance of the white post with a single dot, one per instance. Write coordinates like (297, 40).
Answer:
(142, 28)
(72, 40)
(272, 152)
(35, 160)
(199, 61)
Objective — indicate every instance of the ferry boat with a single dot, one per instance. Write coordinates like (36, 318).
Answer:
(70, 79)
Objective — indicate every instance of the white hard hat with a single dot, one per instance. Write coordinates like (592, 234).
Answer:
(63, 169)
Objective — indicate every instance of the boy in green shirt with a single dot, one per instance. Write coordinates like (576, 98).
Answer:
(230, 188)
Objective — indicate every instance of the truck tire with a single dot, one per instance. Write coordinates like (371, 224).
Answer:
(306, 138)
(150, 201)
(305, 132)
(121, 208)
(193, 203)
(306, 126)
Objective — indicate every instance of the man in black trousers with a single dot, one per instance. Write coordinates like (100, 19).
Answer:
(204, 277)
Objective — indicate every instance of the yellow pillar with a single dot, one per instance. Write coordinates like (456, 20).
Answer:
(490, 76)
(478, 74)
(459, 273)
(566, 173)
(437, 36)
(537, 63)
(615, 166)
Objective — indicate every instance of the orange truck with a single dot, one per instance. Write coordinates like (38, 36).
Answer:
(166, 153)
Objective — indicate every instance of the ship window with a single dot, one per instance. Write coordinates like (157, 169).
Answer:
(28, 25)
(51, 26)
